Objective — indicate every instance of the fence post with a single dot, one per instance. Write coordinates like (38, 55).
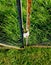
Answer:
(20, 19)
(28, 18)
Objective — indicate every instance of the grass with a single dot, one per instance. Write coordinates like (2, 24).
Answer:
(40, 32)
(27, 56)
(40, 19)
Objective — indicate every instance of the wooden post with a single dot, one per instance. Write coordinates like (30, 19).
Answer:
(28, 18)
(28, 14)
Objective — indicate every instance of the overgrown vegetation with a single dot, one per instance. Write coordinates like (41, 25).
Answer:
(28, 56)
(40, 30)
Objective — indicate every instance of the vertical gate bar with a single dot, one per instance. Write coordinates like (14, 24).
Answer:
(20, 19)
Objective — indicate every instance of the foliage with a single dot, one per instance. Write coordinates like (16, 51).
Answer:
(9, 25)
(27, 56)
(40, 30)
(40, 21)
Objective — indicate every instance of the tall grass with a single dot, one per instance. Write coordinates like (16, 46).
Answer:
(40, 29)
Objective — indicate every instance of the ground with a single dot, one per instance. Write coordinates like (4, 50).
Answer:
(26, 56)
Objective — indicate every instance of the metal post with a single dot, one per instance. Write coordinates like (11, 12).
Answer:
(20, 19)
